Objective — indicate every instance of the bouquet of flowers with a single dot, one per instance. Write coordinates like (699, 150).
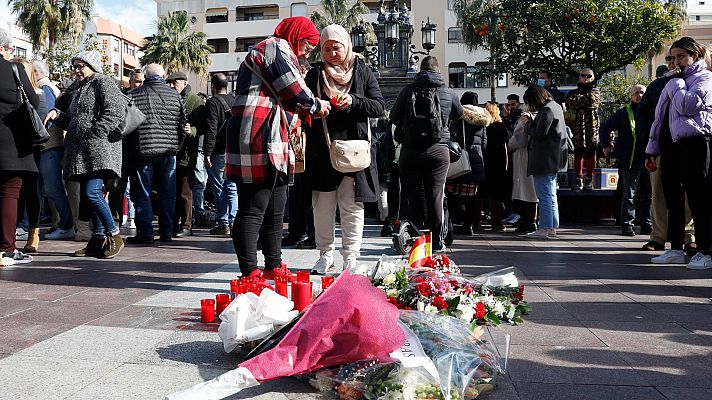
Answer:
(491, 298)
(440, 360)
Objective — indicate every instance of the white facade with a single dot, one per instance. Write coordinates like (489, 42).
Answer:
(23, 47)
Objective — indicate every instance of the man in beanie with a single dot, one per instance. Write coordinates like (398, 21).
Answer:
(644, 118)
(188, 153)
(155, 145)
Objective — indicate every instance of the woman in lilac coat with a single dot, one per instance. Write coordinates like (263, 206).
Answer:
(680, 134)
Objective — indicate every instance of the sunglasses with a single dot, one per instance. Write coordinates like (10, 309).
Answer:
(8, 48)
(669, 58)
(79, 66)
(586, 76)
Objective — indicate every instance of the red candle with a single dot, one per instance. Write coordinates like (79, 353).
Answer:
(235, 285)
(303, 276)
(301, 295)
(221, 300)
(326, 281)
(281, 286)
(207, 310)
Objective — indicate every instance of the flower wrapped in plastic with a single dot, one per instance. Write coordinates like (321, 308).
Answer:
(492, 298)
(440, 359)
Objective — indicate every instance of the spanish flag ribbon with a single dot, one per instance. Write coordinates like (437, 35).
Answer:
(422, 250)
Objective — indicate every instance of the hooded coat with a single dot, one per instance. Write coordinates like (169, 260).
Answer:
(689, 102)
(474, 124)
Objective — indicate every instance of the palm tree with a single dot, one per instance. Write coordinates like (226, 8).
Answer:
(341, 12)
(47, 22)
(175, 47)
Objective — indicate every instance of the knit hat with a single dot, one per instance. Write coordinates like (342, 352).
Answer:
(91, 58)
(661, 70)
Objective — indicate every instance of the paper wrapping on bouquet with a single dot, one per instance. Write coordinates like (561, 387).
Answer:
(250, 317)
(505, 277)
(422, 250)
(349, 322)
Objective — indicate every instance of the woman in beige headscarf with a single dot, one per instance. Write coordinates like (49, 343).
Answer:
(349, 84)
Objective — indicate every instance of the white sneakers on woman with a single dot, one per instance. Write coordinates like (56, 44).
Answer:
(698, 262)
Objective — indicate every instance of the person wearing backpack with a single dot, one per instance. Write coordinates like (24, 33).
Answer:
(224, 191)
(424, 109)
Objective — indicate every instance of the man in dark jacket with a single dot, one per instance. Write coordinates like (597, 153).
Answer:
(224, 192)
(155, 145)
(421, 164)
(629, 151)
(546, 82)
(187, 155)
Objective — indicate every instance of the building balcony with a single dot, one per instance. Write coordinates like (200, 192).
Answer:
(240, 29)
(222, 62)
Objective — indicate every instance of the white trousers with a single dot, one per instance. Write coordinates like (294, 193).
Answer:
(352, 218)
(383, 201)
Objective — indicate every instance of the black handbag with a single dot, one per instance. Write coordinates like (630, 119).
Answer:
(40, 134)
(133, 118)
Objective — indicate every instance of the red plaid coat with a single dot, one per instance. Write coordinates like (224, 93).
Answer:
(257, 135)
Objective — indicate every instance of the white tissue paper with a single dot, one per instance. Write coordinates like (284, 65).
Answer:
(250, 317)
(223, 386)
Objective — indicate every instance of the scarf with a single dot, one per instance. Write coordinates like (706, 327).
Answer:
(337, 78)
(295, 29)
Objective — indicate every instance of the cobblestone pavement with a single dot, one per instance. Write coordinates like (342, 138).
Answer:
(606, 323)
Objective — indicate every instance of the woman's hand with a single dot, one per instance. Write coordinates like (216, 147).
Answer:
(51, 116)
(343, 101)
(323, 110)
(525, 118)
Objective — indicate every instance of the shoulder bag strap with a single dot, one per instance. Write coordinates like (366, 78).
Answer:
(16, 74)
(255, 71)
(323, 120)
(464, 136)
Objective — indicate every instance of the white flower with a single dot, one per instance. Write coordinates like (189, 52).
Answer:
(510, 312)
(467, 312)
(389, 279)
(431, 309)
(392, 292)
(498, 308)
(421, 306)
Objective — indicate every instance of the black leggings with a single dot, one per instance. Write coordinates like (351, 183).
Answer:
(260, 213)
(686, 171)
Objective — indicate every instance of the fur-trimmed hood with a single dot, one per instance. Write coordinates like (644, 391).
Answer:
(476, 116)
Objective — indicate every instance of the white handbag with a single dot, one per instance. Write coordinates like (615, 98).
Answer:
(462, 166)
(347, 156)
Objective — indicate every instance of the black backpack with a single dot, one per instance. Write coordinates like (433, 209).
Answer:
(424, 123)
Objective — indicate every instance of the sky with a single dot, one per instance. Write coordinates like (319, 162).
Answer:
(139, 15)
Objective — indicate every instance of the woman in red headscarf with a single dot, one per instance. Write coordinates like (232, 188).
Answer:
(269, 96)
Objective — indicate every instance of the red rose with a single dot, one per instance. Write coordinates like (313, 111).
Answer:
(520, 294)
(480, 311)
(429, 263)
(424, 289)
(440, 303)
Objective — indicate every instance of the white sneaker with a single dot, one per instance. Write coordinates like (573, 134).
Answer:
(350, 264)
(334, 270)
(129, 224)
(700, 261)
(669, 257)
(21, 234)
(540, 234)
(16, 257)
(60, 234)
(325, 263)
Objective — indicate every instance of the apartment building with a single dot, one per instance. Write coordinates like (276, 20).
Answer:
(119, 45)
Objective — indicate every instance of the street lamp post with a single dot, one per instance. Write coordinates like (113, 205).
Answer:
(427, 35)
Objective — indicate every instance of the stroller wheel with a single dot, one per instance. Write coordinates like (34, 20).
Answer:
(404, 237)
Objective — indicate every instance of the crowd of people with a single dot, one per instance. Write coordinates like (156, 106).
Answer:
(240, 148)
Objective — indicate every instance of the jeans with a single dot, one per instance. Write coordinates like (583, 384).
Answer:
(92, 192)
(51, 173)
(545, 187)
(260, 213)
(199, 185)
(224, 191)
(131, 212)
(164, 168)
(630, 181)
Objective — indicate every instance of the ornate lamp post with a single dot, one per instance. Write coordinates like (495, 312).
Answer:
(427, 33)
(358, 40)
